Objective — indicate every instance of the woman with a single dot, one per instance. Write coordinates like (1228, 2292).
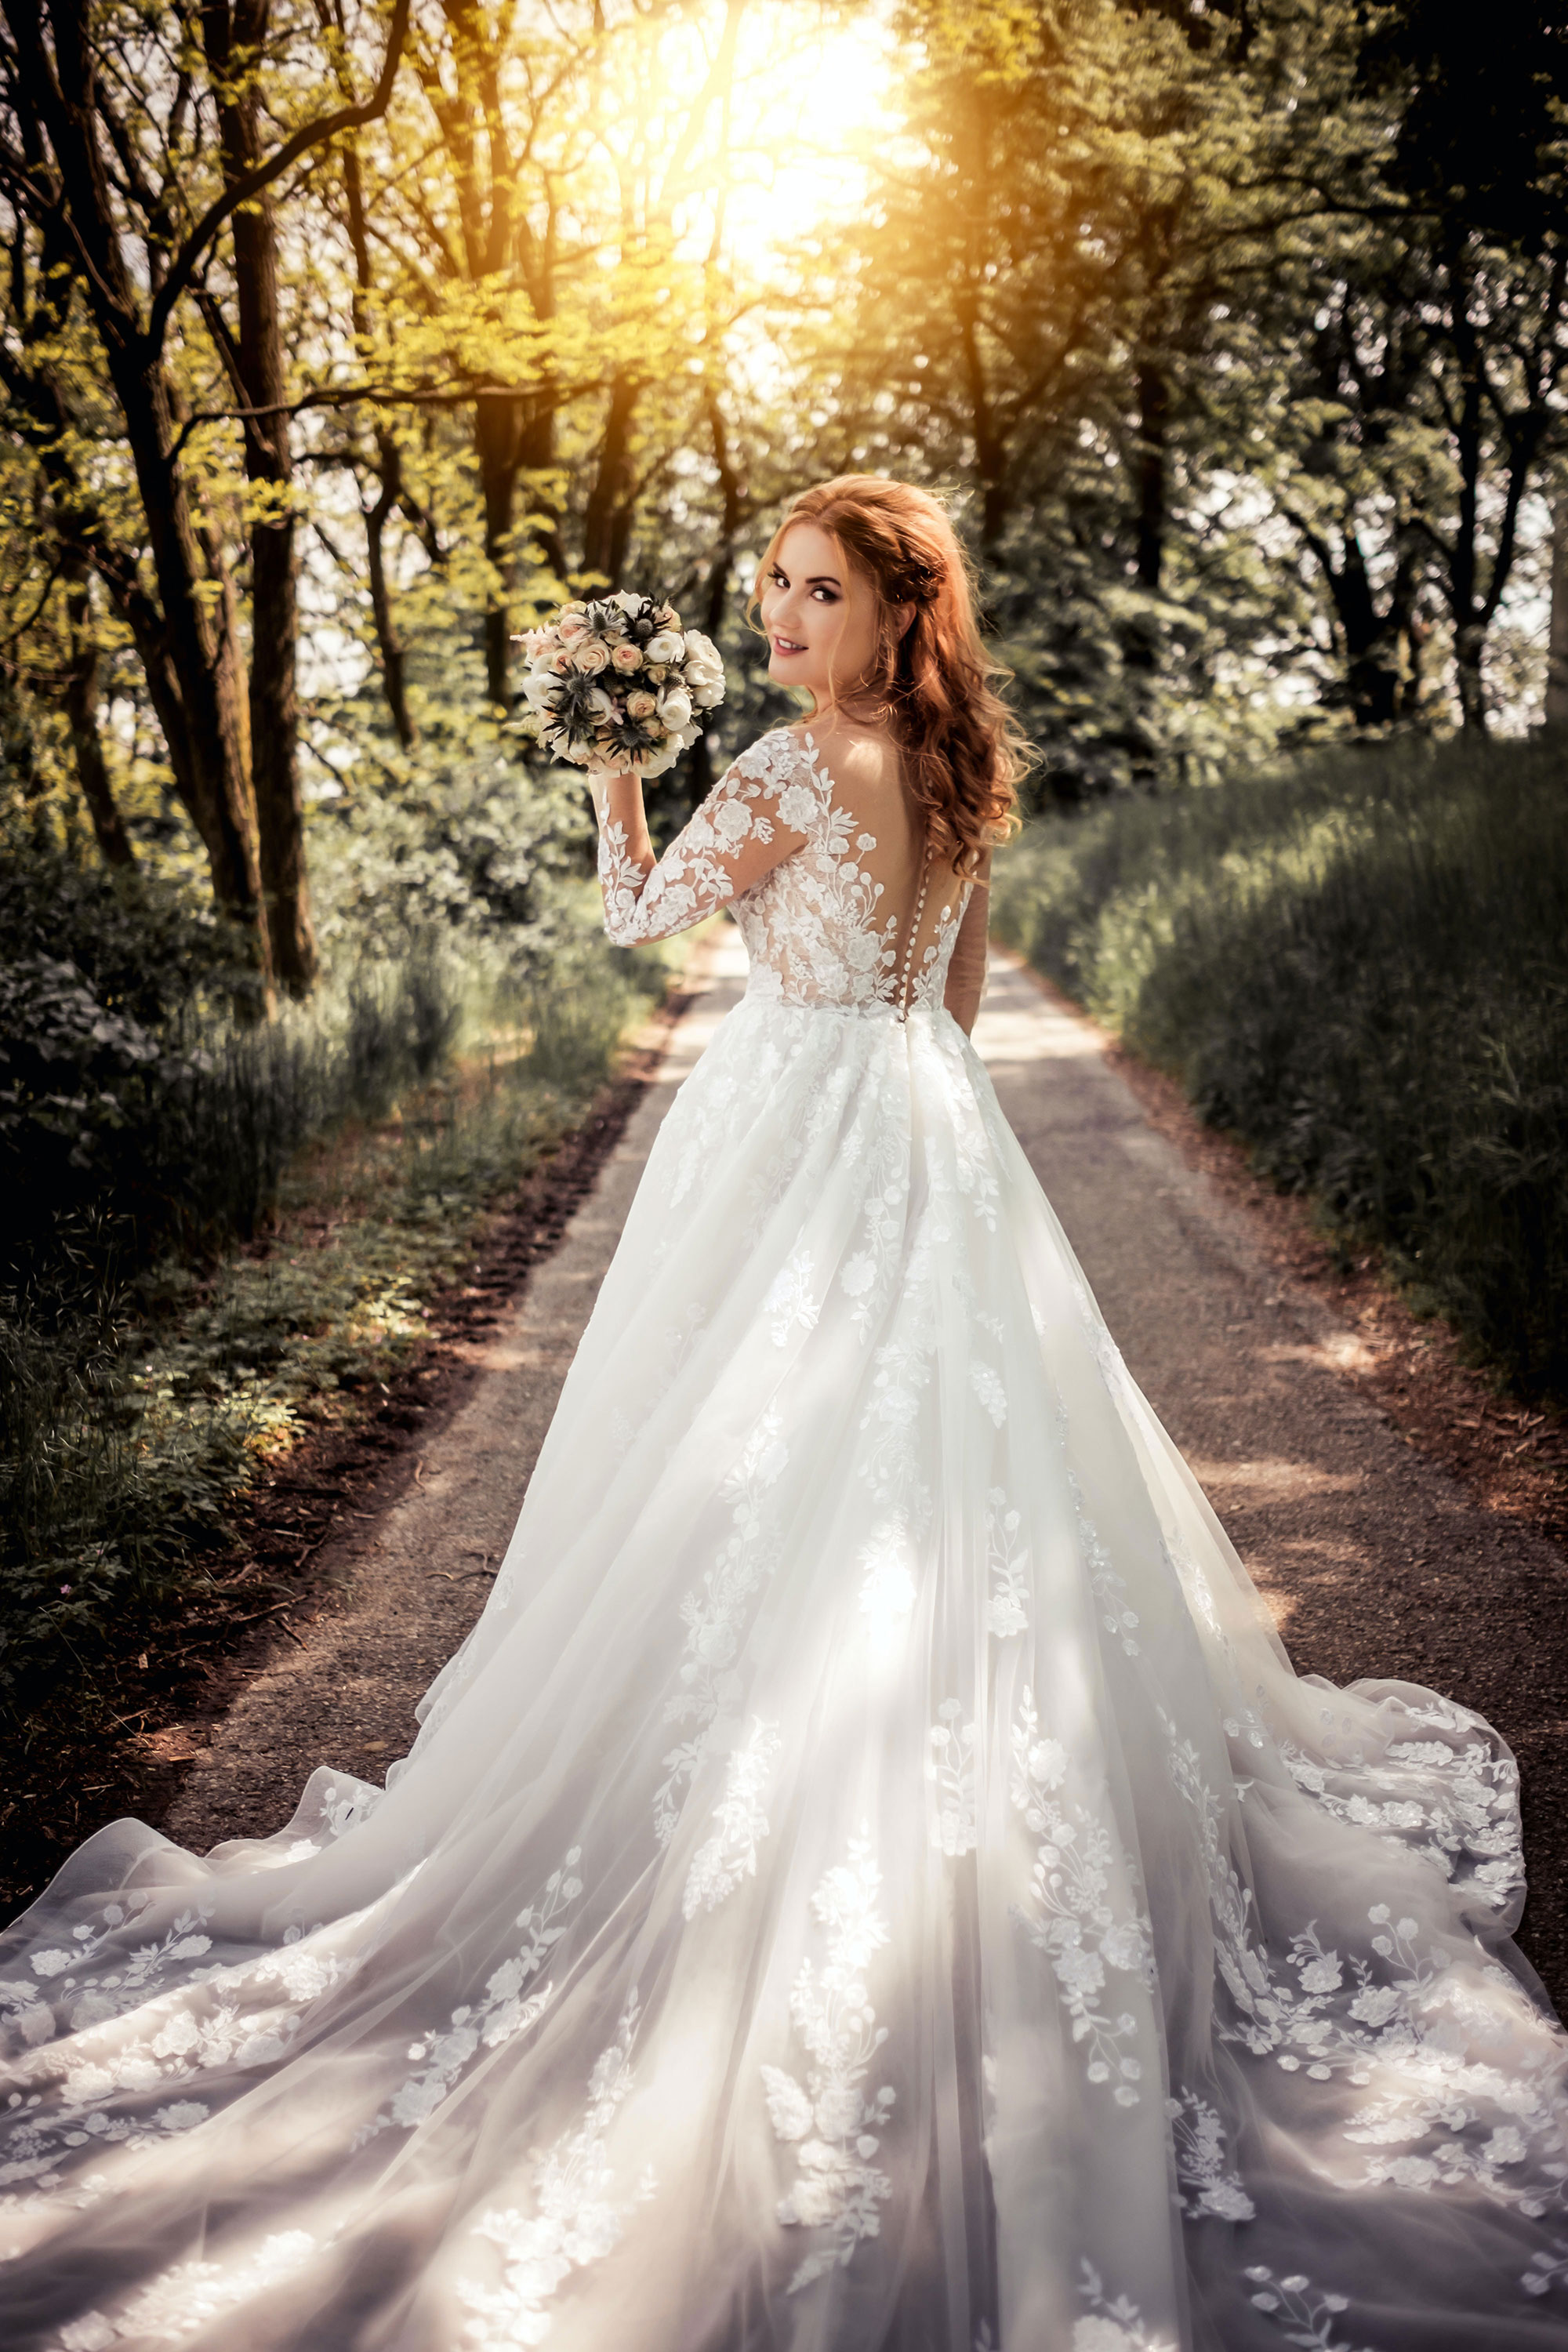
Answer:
(872, 1878)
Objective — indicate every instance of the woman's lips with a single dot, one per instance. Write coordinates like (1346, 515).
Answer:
(785, 646)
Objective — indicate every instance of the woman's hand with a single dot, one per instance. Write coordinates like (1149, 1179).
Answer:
(617, 800)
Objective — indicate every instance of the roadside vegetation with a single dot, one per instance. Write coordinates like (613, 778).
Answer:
(222, 1230)
(1358, 962)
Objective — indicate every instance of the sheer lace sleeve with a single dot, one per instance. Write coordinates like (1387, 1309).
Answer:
(756, 816)
(967, 967)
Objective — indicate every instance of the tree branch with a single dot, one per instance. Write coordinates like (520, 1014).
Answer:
(246, 189)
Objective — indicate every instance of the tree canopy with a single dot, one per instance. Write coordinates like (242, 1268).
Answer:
(339, 340)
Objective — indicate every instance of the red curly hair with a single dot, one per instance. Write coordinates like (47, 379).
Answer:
(962, 749)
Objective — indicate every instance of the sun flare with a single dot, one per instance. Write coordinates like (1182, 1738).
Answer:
(809, 105)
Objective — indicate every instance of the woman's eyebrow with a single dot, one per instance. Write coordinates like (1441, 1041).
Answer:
(824, 579)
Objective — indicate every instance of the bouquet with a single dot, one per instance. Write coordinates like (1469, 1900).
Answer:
(616, 683)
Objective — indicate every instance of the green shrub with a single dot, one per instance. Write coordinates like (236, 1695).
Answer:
(1361, 965)
(149, 1121)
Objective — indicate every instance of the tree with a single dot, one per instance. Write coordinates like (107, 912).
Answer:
(104, 169)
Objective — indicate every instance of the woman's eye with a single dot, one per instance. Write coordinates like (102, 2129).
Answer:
(776, 576)
(826, 595)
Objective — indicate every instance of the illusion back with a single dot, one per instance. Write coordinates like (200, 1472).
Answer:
(831, 914)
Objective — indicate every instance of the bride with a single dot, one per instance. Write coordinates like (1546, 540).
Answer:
(872, 1878)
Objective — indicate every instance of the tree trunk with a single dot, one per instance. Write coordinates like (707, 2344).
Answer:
(717, 594)
(389, 473)
(81, 695)
(1556, 713)
(201, 670)
(233, 44)
(1470, 648)
(1153, 418)
(393, 663)
(605, 522)
(538, 460)
(497, 441)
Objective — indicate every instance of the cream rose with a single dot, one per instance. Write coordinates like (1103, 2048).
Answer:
(627, 658)
(704, 670)
(641, 705)
(591, 659)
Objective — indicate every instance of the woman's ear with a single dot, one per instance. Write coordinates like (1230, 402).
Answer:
(903, 620)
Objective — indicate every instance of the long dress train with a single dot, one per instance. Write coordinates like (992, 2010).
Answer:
(872, 1878)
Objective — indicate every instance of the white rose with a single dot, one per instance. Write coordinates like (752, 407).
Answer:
(591, 659)
(667, 646)
(702, 665)
(597, 706)
(675, 708)
(626, 598)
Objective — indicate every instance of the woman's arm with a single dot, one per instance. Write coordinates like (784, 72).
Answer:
(740, 831)
(967, 971)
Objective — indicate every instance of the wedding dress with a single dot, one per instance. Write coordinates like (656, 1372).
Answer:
(871, 1879)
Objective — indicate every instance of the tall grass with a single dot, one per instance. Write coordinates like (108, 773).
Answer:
(1360, 964)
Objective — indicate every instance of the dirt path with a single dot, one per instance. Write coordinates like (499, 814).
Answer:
(1373, 1561)
(409, 1584)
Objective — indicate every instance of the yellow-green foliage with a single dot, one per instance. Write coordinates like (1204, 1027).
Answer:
(1361, 964)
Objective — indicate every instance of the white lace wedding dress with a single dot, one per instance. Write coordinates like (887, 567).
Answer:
(871, 1879)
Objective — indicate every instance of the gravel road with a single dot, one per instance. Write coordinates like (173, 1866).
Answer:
(1373, 1562)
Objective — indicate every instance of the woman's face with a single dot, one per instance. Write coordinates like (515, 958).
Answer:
(820, 615)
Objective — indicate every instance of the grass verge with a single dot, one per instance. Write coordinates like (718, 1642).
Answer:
(131, 1430)
(1360, 965)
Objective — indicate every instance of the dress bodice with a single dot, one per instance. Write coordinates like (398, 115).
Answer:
(817, 919)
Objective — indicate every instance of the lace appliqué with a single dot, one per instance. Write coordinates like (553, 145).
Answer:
(190, 2297)
(1008, 1562)
(1109, 1588)
(951, 1770)
(134, 2039)
(1457, 1806)
(1306, 2313)
(573, 2221)
(500, 2016)
(1071, 1917)
(1455, 2118)
(731, 1854)
(829, 2120)
(809, 918)
(1208, 2191)
(715, 1615)
(1112, 2324)
(697, 872)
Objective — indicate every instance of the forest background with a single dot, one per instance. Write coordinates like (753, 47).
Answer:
(339, 341)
